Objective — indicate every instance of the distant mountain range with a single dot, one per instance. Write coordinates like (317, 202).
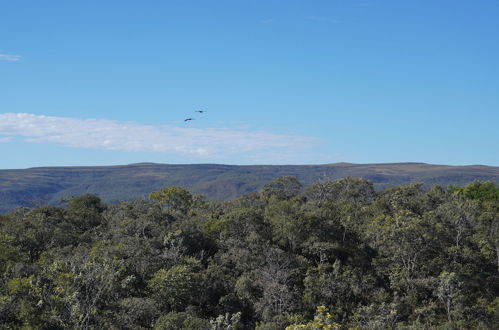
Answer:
(41, 185)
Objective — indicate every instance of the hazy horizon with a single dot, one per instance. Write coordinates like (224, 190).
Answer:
(263, 164)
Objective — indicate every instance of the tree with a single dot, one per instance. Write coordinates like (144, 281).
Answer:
(173, 287)
(274, 278)
(136, 313)
(481, 191)
(226, 322)
(290, 225)
(9, 254)
(402, 240)
(281, 188)
(377, 316)
(487, 194)
(458, 215)
(347, 189)
(322, 321)
(89, 281)
(26, 299)
(402, 258)
(86, 211)
(176, 199)
(181, 321)
(448, 291)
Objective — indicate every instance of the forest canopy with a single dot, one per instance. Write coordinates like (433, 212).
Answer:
(333, 255)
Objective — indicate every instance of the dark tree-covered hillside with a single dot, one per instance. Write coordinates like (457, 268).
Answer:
(48, 185)
(334, 255)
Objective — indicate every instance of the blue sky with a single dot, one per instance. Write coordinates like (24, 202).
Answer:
(283, 82)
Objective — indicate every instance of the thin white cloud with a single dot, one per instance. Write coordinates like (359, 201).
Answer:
(9, 57)
(128, 136)
(5, 139)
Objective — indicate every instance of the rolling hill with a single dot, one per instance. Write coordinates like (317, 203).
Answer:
(36, 186)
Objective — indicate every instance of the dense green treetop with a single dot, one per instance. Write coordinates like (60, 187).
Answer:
(335, 255)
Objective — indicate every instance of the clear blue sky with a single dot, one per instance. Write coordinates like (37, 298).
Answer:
(93, 82)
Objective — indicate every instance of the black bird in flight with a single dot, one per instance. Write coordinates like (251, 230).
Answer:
(201, 111)
(187, 119)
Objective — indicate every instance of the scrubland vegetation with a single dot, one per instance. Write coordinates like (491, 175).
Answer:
(336, 254)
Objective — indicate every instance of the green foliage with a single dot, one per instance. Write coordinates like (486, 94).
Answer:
(173, 287)
(281, 188)
(86, 211)
(8, 252)
(481, 191)
(376, 316)
(402, 258)
(448, 291)
(86, 202)
(181, 321)
(226, 322)
(176, 199)
(347, 189)
(322, 321)
(136, 312)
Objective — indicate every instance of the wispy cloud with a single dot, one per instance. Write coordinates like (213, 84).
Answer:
(128, 136)
(9, 57)
(5, 139)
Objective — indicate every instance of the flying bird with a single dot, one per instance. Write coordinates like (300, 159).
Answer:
(201, 111)
(187, 119)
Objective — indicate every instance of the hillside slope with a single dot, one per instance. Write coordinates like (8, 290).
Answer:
(35, 186)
